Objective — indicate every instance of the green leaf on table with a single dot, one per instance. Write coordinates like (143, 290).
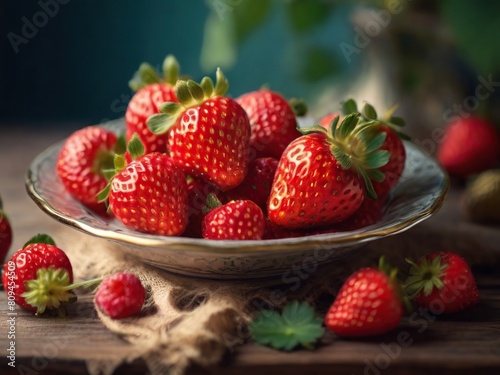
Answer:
(297, 325)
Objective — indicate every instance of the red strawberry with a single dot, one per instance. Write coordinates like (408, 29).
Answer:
(367, 304)
(274, 232)
(5, 233)
(37, 275)
(152, 90)
(370, 212)
(81, 161)
(396, 164)
(149, 195)
(327, 119)
(393, 144)
(272, 120)
(120, 295)
(257, 184)
(442, 281)
(470, 146)
(198, 192)
(208, 134)
(321, 176)
(236, 220)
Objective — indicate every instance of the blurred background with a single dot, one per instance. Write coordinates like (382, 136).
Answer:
(67, 63)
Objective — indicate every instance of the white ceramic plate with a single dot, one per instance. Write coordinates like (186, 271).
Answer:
(419, 194)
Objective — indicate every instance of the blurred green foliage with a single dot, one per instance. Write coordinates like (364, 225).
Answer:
(473, 25)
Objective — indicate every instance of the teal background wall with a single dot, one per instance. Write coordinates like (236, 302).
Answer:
(76, 68)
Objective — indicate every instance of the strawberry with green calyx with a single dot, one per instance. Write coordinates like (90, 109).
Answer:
(322, 176)
(81, 161)
(442, 280)
(5, 233)
(208, 134)
(368, 303)
(389, 125)
(148, 194)
(272, 120)
(235, 220)
(152, 90)
(40, 277)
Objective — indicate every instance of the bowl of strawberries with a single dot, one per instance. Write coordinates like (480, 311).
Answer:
(198, 183)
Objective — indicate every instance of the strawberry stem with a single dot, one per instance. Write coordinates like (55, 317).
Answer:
(425, 276)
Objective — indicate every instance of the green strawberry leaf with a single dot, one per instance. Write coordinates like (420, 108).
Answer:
(349, 106)
(375, 142)
(343, 158)
(376, 175)
(347, 125)
(297, 325)
(196, 91)
(377, 159)
(369, 112)
(208, 86)
(135, 147)
(40, 238)
(171, 69)
(221, 83)
(398, 121)
(312, 129)
(160, 123)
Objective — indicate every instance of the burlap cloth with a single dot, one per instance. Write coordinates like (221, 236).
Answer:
(188, 321)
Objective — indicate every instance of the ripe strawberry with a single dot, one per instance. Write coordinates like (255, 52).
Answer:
(149, 195)
(367, 304)
(152, 91)
(5, 233)
(198, 192)
(442, 280)
(257, 184)
(327, 119)
(272, 120)
(120, 295)
(370, 212)
(470, 146)
(392, 143)
(38, 276)
(236, 220)
(81, 161)
(208, 134)
(396, 164)
(321, 176)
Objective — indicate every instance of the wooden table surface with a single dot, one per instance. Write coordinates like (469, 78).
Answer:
(458, 344)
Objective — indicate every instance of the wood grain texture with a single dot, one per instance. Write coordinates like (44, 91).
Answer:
(459, 344)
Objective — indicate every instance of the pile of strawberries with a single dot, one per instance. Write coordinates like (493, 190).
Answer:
(200, 164)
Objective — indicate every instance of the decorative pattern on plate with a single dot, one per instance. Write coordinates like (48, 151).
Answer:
(419, 194)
